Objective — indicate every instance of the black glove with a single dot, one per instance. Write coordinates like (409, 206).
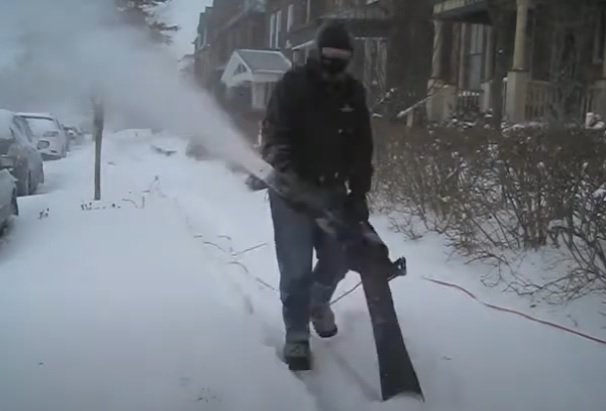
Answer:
(288, 187)
(283, 180)
(356, 207)
(255, 184)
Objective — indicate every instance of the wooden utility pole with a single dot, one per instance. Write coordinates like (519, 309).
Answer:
(98, 120)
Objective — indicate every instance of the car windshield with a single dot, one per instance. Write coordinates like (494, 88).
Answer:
(41, 125)
(26, 127)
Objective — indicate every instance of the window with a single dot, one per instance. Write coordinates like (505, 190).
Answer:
(240, 69)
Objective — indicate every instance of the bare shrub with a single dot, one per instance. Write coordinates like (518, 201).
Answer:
(498, 195)
(580, 223)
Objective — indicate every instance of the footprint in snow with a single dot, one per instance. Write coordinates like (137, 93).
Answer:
(207, 396)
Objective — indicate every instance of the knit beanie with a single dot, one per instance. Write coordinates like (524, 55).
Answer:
(334, 35)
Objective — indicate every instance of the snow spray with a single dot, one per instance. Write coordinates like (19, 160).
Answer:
(55, 55)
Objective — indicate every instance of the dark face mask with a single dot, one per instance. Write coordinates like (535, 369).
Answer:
(333, 66)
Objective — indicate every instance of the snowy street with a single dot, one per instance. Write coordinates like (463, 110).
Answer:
(162, 297)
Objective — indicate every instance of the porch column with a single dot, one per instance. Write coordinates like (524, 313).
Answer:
(462, 49)
(518, 78)
(489, 69)
(519, 55)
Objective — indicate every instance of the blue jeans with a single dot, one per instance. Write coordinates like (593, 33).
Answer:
(303, 285)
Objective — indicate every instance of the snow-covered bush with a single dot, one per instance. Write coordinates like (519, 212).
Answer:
(495, 194)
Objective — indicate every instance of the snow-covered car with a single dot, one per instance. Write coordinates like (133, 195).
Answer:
(74, 134)
(18, 153)
(8, 198)
(51, 139)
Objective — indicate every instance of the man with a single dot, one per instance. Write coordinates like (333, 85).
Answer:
(317, 129)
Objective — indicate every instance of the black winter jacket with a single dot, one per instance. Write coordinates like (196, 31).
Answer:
(319, 130)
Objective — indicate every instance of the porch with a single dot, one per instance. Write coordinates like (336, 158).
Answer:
(463, 66)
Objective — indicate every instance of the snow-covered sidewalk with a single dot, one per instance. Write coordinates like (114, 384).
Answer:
(118, 308)
(167, 301)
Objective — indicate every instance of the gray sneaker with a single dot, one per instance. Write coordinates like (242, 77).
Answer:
(323, 321)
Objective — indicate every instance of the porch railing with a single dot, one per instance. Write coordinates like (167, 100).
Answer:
(544, 100)
(539, 98)
(468, 101)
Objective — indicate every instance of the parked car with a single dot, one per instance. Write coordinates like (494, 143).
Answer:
(74, 134)
(51, 139)
(18, 153)
(8, 198)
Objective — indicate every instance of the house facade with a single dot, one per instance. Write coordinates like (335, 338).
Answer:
(293, 24)
(551, 58)
(231, 35)
(203, 64)
(389, 53)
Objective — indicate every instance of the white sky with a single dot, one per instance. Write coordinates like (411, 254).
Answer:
(65, 57)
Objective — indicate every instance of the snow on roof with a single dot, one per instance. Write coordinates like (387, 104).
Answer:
(268, 61)
(248, 65)
(38, 115)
